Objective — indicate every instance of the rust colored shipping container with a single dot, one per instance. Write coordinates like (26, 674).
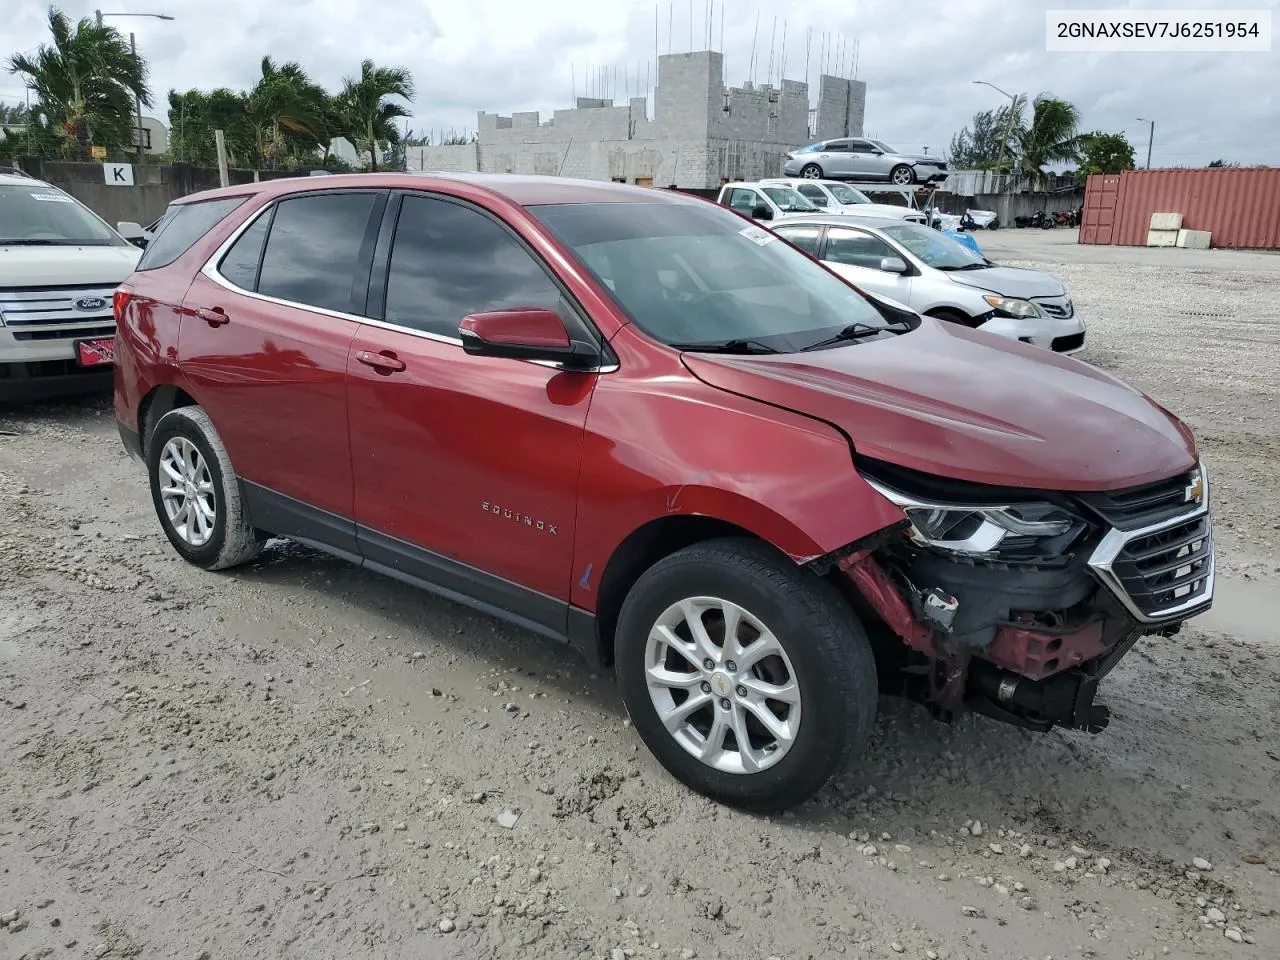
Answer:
(1241, 208)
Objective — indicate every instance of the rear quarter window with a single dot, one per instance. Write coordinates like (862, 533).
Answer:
(181, 227)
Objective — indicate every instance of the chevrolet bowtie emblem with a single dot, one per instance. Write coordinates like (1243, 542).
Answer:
(1195, 491)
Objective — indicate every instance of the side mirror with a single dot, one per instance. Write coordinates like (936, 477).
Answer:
(893, 265)
(132, 232)
(524, 333)
(761, 212)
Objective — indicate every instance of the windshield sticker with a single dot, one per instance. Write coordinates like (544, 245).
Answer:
(53, 197)
(757, 235)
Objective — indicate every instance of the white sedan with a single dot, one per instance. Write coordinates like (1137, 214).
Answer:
(931, 273)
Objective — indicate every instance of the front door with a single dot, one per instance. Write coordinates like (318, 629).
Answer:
(265, 341)
(466, 468)
(856, 254)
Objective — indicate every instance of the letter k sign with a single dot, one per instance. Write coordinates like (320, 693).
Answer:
(118, 174)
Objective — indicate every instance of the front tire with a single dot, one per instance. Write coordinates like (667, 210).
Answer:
(749, 678)
(196, 492)
(902, 175)
(811, 171)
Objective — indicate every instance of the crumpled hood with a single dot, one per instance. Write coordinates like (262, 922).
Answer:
(951, 401)
(23, 266)
(1011, 282)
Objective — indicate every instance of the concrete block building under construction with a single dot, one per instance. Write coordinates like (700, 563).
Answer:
(702, 133)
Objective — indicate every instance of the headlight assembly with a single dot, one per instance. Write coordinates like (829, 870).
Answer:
(1011, 531)
(1012, 306)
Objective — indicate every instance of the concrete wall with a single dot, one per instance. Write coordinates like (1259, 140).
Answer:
(701, 132)
(155, 187)
(842, 107)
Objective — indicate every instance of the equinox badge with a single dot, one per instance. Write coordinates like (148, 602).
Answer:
(508, 514)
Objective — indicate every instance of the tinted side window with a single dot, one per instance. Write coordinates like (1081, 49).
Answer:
(856, 249)
(448, 261)
(806, 238)
(182, 227)
(240, 265)
(837, 146)
(313, 252)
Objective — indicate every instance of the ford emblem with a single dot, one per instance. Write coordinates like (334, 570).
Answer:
(90, 303)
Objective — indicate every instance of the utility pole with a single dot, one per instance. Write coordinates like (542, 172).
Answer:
(1151, 137)
(1008, 124)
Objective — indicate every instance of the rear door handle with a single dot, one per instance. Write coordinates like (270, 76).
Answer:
(213, 316)
(385, 361)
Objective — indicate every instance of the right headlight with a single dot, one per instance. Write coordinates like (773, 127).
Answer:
(1012, 306)
(1032, 528)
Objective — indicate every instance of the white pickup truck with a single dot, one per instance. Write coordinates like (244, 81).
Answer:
(833, 196)
(765, 201)
(60, 265)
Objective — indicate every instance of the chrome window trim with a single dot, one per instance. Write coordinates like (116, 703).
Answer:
(210, 270)
(1103, 558)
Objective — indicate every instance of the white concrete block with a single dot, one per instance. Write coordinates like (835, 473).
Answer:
(1162, 238)
(1194, 239)
(1166, 221)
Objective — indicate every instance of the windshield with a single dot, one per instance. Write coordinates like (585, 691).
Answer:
(846, 194)
(884, 146)
(788, 200)
(935, 249)
(695, 274)
(37, 214)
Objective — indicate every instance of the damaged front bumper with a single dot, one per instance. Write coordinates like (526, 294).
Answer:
(1028, 640)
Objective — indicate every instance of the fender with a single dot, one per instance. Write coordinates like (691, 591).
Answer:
(680, 452)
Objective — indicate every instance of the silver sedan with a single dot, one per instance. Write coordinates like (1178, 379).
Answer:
(931, 273)
(855, 158)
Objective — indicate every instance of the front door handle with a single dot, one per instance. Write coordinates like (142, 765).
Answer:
(213, 316)
(384, 362)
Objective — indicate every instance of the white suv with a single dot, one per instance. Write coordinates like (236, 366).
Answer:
(765, 201)
(60, 265)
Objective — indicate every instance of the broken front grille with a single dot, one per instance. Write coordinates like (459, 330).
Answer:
(1167, 569)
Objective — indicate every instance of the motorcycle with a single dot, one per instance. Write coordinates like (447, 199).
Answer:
(1039, 219)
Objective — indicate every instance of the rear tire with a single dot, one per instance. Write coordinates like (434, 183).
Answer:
(196, 493)
(805, 659)
(811, 171)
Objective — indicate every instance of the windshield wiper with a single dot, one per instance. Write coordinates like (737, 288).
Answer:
(727, 346)
(857, 331)
(969, 266)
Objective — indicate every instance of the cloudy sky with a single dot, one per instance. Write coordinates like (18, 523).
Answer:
(919, 59)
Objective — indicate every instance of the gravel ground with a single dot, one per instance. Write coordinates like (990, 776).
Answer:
(304, 760)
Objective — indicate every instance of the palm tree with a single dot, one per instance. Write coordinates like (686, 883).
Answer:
(84, 83)
(286, 110)
(1052, 135)
(368, 116)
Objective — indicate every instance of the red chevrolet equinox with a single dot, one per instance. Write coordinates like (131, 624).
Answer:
(638, 423)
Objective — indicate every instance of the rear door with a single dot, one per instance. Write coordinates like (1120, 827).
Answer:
(264, 342)
(856, 254)
(466, 468)
(837, 160)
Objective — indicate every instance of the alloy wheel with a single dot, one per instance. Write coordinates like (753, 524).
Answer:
(187, 491)
(811, 173)
(902, 175)
(722, 685)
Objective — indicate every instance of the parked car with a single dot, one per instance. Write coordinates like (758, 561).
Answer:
(59, 267)
(856, 158)
(764, 201)
(639, 423)
(833, 196)
(934, 274)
